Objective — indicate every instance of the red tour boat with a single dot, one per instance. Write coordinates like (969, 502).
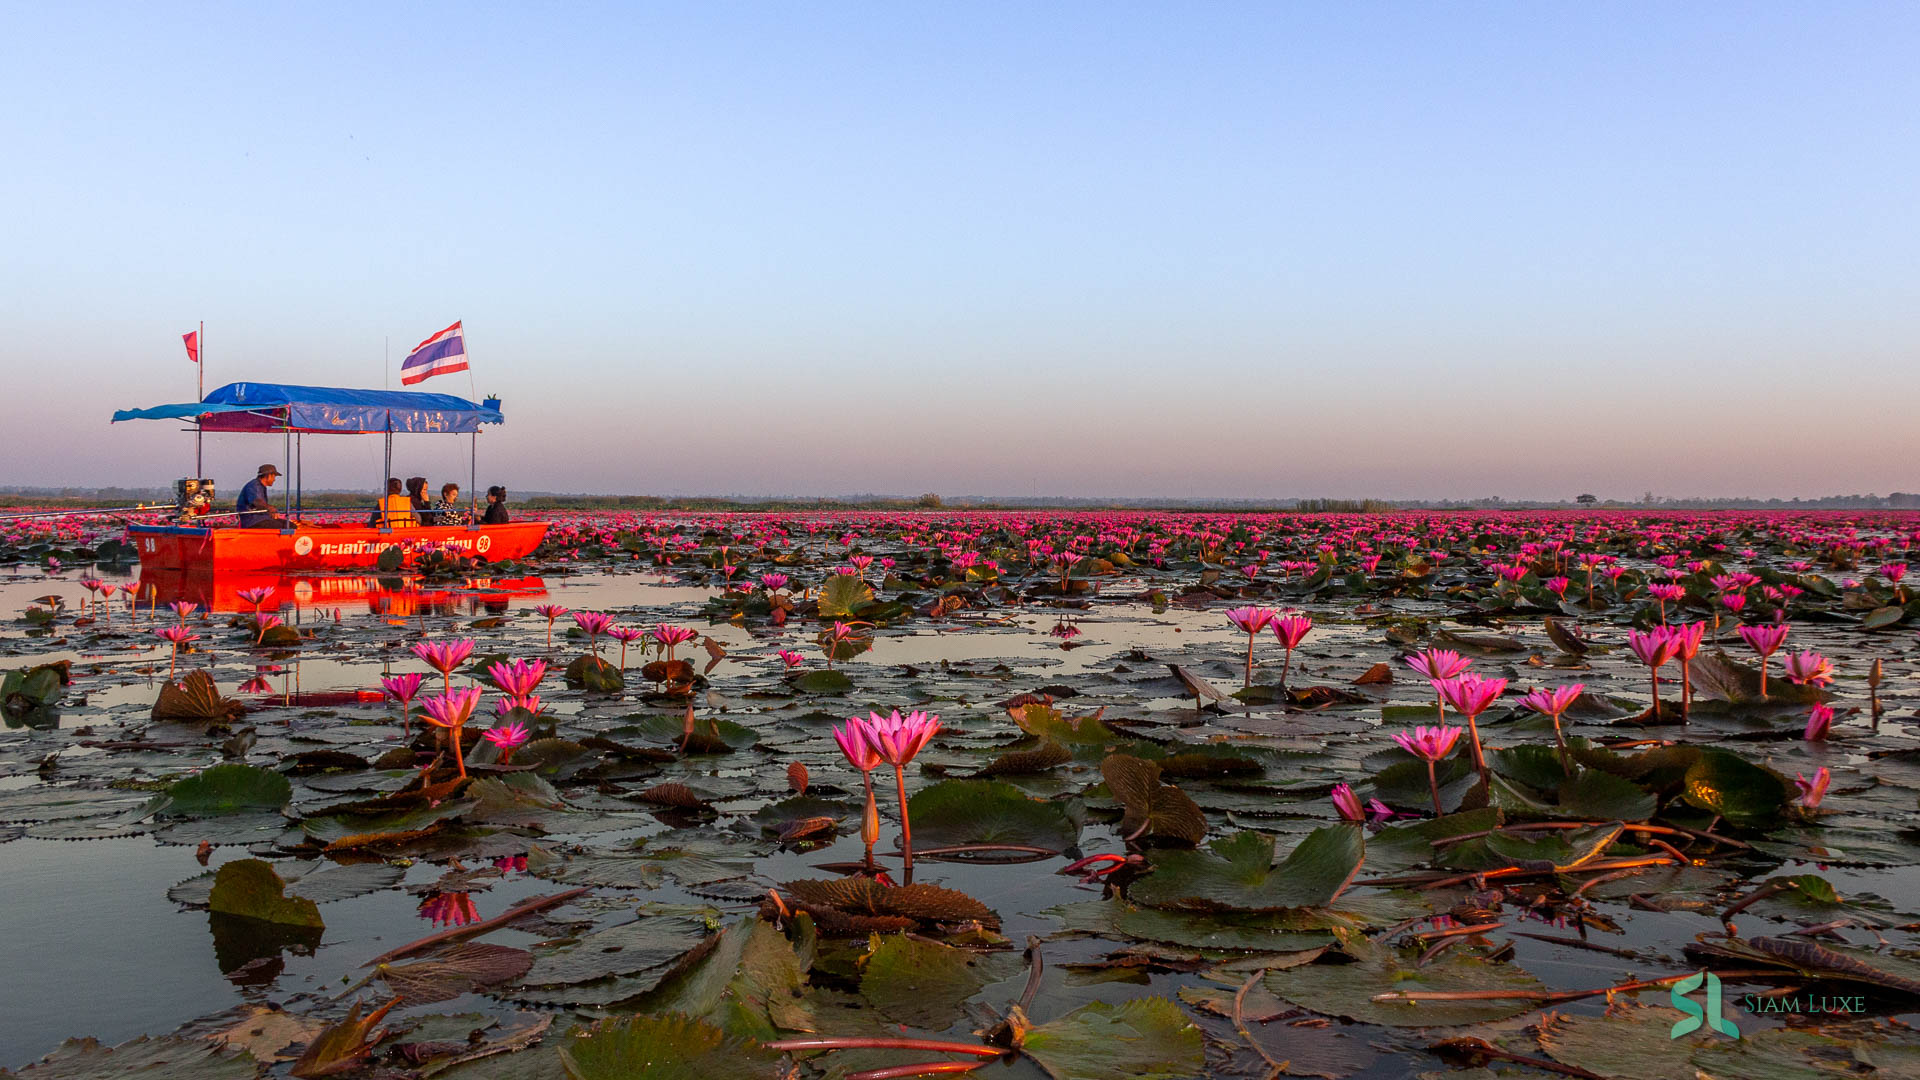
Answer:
(308, 541)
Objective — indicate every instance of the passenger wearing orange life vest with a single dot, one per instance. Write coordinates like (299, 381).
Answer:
(396, 510)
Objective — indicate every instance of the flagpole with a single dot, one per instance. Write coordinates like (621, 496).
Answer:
(200, 362)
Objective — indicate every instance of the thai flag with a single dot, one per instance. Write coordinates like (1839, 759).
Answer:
(443, 352)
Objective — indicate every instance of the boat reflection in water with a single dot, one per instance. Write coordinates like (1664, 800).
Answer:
(397, 595)
(299, 598)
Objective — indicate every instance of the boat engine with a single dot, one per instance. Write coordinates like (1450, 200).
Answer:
(192, 497)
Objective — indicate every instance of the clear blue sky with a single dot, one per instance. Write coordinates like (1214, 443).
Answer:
(1211, 249)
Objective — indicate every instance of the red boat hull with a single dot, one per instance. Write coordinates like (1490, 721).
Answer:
(323, 547)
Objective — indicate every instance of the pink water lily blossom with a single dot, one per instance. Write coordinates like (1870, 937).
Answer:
(625, 635)
(897, 739)
(1430, 744)
(445, 655)
(1554, 703)
(1348, 804)
(1438, 665)
(1766, 640)
(790, 658)
(451, 711)
(1472, 695)
(1655, 648)
(1814, 790)
(1808, 668)
(178, 636)
(550, 612)
(507, 738)
(670, 636)
(519, 678)
(1290, 630)
(1819, 722)
(1250, 621)
(594, 623)
(855, 746)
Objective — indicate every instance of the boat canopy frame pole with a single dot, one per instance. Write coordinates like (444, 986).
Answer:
(286, 494)
(200, 362)
(473, 482)
(380, 500)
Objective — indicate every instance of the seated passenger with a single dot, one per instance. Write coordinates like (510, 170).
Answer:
(448, 510)
(396, 510)
(417, 495)
(496, 506)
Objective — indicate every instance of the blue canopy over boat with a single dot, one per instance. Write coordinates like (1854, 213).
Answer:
(251, 406)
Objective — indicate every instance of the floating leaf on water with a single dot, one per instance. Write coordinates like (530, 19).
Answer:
(664, 1048)
(843, 596)
(958, 812)
(1153, 809)
(458, 969)
(1347, 990)
(145, 1058)
(750, 982)
(229, 789)
(249, 888)
(923, 983)
(866, 897)
(823, 682)
(1595, 795)
(1747, 795)
(1237, 873)
(1140, 1039)
(195, 699)
(1047, 755)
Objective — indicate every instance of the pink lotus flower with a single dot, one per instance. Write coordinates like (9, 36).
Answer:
(896, 740)
(1819, 722)
(507, 738)
(1814, 790)
(1430, 744)
(530, 704)
(1667, 594)
(1348, 804)
(1251, 620)
(264, 623)
(178, 635)
(1655, 648)
(551, 612)
(1808, 668)
(1554, 703)
(774, 582)
(594, 623)
(519, 678)
(625, 635)
(1438, 665)
(1687, 638)
(444, 656)
(1289, 630)
(790, 658)
(1766, 640)
(671, 636)
(1471, 695)
(451, 711)
(182, 609)
(256, 597)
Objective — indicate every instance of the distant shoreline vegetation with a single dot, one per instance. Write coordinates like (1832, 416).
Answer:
(58, 497)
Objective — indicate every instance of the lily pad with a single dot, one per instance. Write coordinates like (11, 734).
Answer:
(923, 983)
(956, 812)
(663, 1048)
(249, 888)
(1237, 873)
(1140, 1039)
(229, 789)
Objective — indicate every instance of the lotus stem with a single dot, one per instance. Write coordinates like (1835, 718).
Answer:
(924, 1068)
(906, 826)
(882, 1042)
(1249, 681)
(1433, 785)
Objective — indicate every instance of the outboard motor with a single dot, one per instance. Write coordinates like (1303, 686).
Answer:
(191, 498)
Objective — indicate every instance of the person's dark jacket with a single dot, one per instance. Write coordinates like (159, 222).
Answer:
(254, 506)
(496, 514)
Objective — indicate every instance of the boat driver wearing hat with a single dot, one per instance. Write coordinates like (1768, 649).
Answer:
(255, 507)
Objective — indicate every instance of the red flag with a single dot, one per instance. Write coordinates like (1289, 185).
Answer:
(192, 338)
